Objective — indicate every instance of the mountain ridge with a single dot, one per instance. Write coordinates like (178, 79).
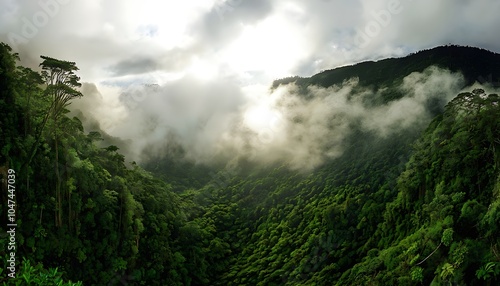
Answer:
(375, 73)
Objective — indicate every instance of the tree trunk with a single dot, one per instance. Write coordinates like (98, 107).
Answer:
(38, 135)
(58, 178)
(41, 215)
(70, 220)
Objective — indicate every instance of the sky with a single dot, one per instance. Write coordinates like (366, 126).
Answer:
(197, 70)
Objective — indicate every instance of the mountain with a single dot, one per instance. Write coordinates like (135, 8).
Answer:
(475, 63)
(386, 212)
(410, 206)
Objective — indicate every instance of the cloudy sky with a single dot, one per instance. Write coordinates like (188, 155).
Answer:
(213, 59)
(113, 40)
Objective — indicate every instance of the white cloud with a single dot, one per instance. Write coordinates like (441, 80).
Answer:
(214, 61)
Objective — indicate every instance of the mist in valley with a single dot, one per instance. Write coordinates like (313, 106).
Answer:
(217, 121)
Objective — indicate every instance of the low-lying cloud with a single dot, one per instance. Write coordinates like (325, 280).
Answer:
(215, 121)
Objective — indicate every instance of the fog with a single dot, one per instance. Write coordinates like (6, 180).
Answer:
(216, 120)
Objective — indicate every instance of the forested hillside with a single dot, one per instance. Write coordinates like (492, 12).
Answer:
(81, 214)
(420, 206)
(476, 64)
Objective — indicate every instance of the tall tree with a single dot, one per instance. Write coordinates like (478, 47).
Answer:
(8, 119)
(61, 86)
(29, 84)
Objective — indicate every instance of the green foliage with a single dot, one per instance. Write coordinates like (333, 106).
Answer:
(490, 269)
(38, 275)
(417, 274)
(420, 207)
(447, 237)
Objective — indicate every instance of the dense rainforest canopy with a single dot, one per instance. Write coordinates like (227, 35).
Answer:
(419, 207)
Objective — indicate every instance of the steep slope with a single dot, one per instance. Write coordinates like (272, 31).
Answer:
(347, 222)
(474, 63)
(354, 223)
(443, 226)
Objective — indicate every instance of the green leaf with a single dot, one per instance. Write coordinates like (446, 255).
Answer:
(447, 237)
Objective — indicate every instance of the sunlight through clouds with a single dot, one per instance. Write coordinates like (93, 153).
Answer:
(271, 46)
